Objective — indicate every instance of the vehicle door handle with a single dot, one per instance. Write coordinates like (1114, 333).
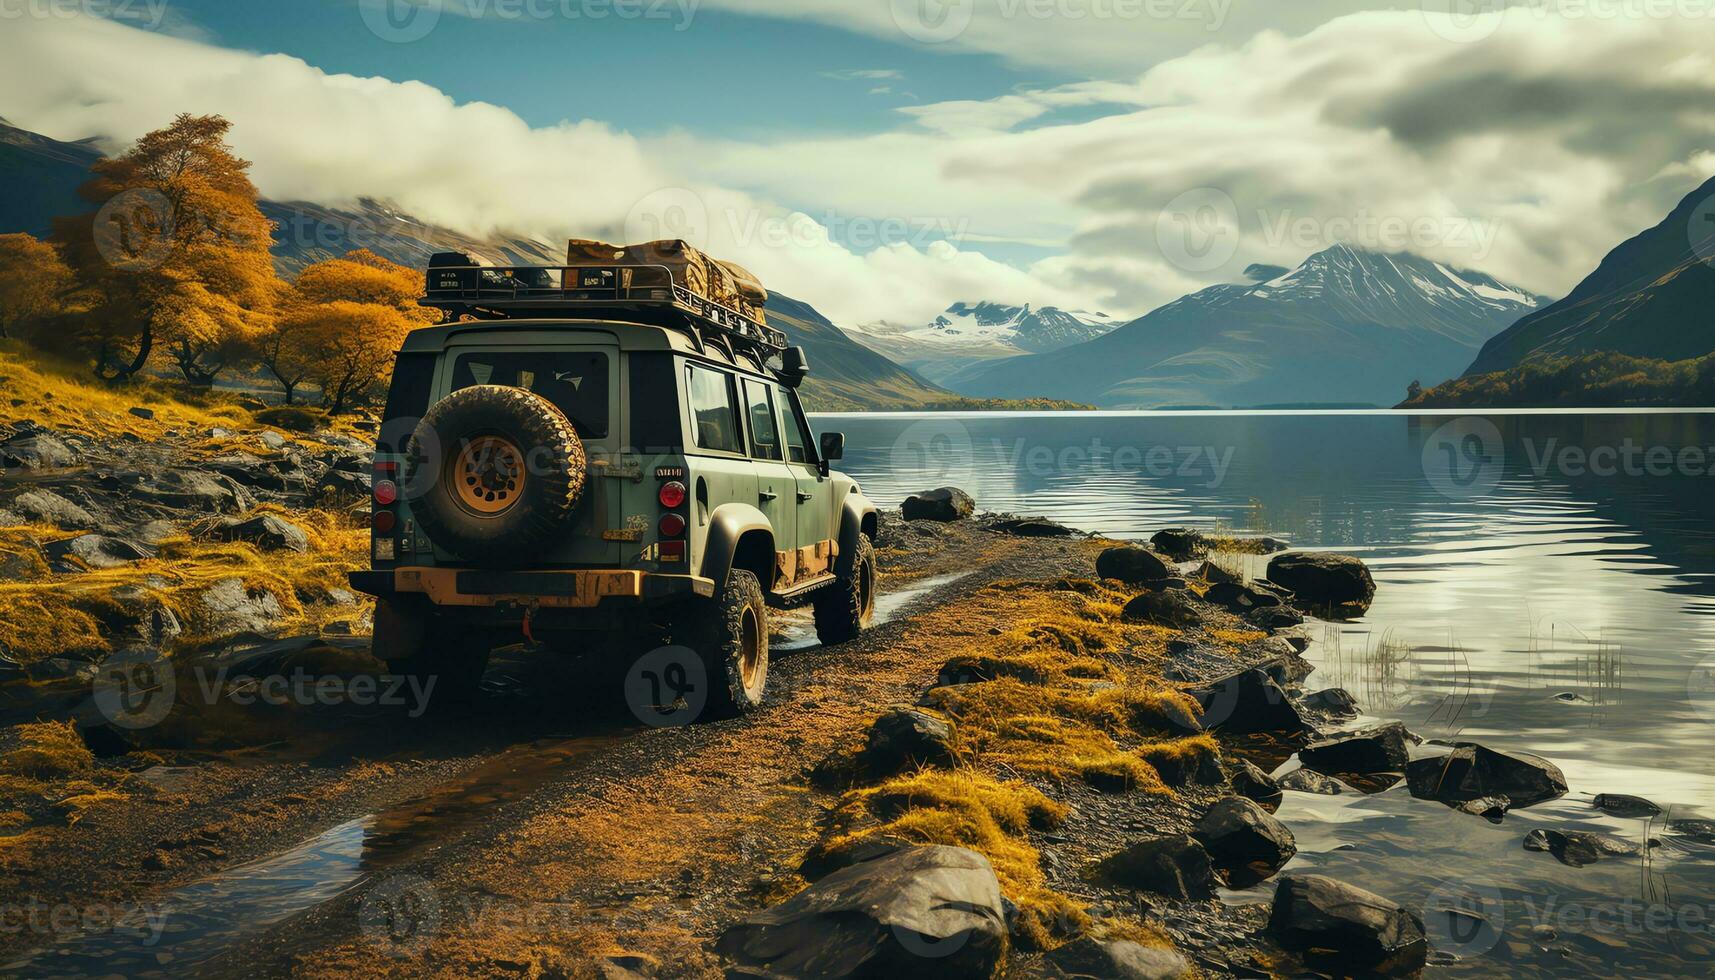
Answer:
(803, 497)
(765, 495)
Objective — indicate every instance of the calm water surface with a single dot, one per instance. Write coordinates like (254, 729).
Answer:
(1546, 583)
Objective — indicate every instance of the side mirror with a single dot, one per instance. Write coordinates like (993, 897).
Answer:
(833, 448)
(794, 367)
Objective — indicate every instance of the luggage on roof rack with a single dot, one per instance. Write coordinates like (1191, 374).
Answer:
(604, 282)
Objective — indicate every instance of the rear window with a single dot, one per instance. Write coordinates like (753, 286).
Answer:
(575, 381)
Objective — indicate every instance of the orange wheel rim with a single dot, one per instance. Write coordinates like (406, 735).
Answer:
(488, 476)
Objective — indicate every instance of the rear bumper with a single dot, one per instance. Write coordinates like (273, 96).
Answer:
(576, 589)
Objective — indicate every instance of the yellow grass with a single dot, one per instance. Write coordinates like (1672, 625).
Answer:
(67, 397)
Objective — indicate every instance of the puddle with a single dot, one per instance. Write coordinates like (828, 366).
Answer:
(193, 924)
(798, 633)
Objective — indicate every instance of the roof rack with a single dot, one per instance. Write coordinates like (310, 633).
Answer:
(458, 286)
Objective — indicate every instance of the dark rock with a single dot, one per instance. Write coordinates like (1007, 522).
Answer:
(266, 531)
(1255, 785)
(966, 670)
(1239, 599)
(1473, 771)
(945, 504)
(1576, 848)
(1172, 608)
(1245, 842)
(1323, 579)
(1176, 867)
(1273, 618)
(1032, 527)
(1211, 572)
(1247, 702)
(907, 737)
(345, 483)
(143, 413)
(920, 912)
(1336, 701)
(98, 551)
(1384, 748)
(1180, 766)
(1311, 781)
(1344, 927)
(1133, 566)
(1117, 960)
(1620, 805)
(36, 451)
(1490, 808)
(195, 490)
(47, 507)
(1180, 543)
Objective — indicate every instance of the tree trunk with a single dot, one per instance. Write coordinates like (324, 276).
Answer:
(120, 372)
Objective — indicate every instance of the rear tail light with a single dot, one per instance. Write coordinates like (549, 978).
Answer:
(386, 492)
(672, 495)
(672, 550)
(384, 522)
(671, 526)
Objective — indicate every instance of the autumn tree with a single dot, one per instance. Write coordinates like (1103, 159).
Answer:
(347, 317)
(176, 256)
(33, 281)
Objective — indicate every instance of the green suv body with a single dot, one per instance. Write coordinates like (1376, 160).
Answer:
(551, 480)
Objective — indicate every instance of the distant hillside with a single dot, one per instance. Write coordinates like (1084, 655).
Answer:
(1346, 327)
(1651, 297)
(845, 375)
(968, 334)
(1600, 380)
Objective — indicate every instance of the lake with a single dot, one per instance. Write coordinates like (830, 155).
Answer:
(1546, 583)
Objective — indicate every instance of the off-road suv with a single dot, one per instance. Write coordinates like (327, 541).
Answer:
(588, 452)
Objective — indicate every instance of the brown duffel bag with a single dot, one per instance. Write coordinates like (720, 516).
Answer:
(726, 283)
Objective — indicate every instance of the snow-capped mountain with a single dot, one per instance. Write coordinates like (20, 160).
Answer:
(1346, 327)
(969, 332)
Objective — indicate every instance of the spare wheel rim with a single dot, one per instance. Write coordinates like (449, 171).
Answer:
(487, 475)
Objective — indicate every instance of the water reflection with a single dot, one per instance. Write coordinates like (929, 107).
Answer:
(1556, 605)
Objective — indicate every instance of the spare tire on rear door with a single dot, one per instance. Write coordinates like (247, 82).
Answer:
(493, 473)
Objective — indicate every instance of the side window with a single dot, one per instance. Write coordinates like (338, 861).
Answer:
(713, 409)
(764, 433)
(797, 429)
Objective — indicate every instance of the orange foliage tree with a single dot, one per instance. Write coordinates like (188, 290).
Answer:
(344, 321)
(177, 255)
(33, 281)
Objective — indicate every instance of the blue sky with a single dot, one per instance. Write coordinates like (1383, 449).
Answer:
(726, 74)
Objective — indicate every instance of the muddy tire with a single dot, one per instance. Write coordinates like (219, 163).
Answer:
(451, 657)
(730, 634)
(494, 473)
(844, 609)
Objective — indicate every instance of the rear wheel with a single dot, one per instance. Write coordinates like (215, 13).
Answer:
(731, 636)
(844, 609)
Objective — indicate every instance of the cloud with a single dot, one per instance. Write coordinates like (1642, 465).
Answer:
(866, 74)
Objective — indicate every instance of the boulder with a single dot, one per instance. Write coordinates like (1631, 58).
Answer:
(47, 507)
(1336, 701)
(1247, 702)
(98, 551)
(1032, 527)
(907, 737)
(1245, 842)
(1180, 765)
(1180, 543)
(1119, 959)
(152, 622)
(945, 504)
(1173, 608)
(1311, 781)
(1323, 579)
(1490, 808)
(142, 413)
(1176, 867)
(1239, 599)
(228, 607)
(1384, 748)
(916, 912)
(1345, 930)
(182, 489)
(1253, 784)
(1474, 771)
(36, 450)
(1211, 572)
(340, 482)
(272, 440)
(1621, 805)
(1577, 848)
(266, 531)
(1274, 618)
(1134, 566)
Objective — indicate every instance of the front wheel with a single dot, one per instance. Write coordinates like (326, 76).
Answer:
(844, 609)
(731, 637)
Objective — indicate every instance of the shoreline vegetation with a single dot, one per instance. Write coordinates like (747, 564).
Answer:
(1600, 380)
